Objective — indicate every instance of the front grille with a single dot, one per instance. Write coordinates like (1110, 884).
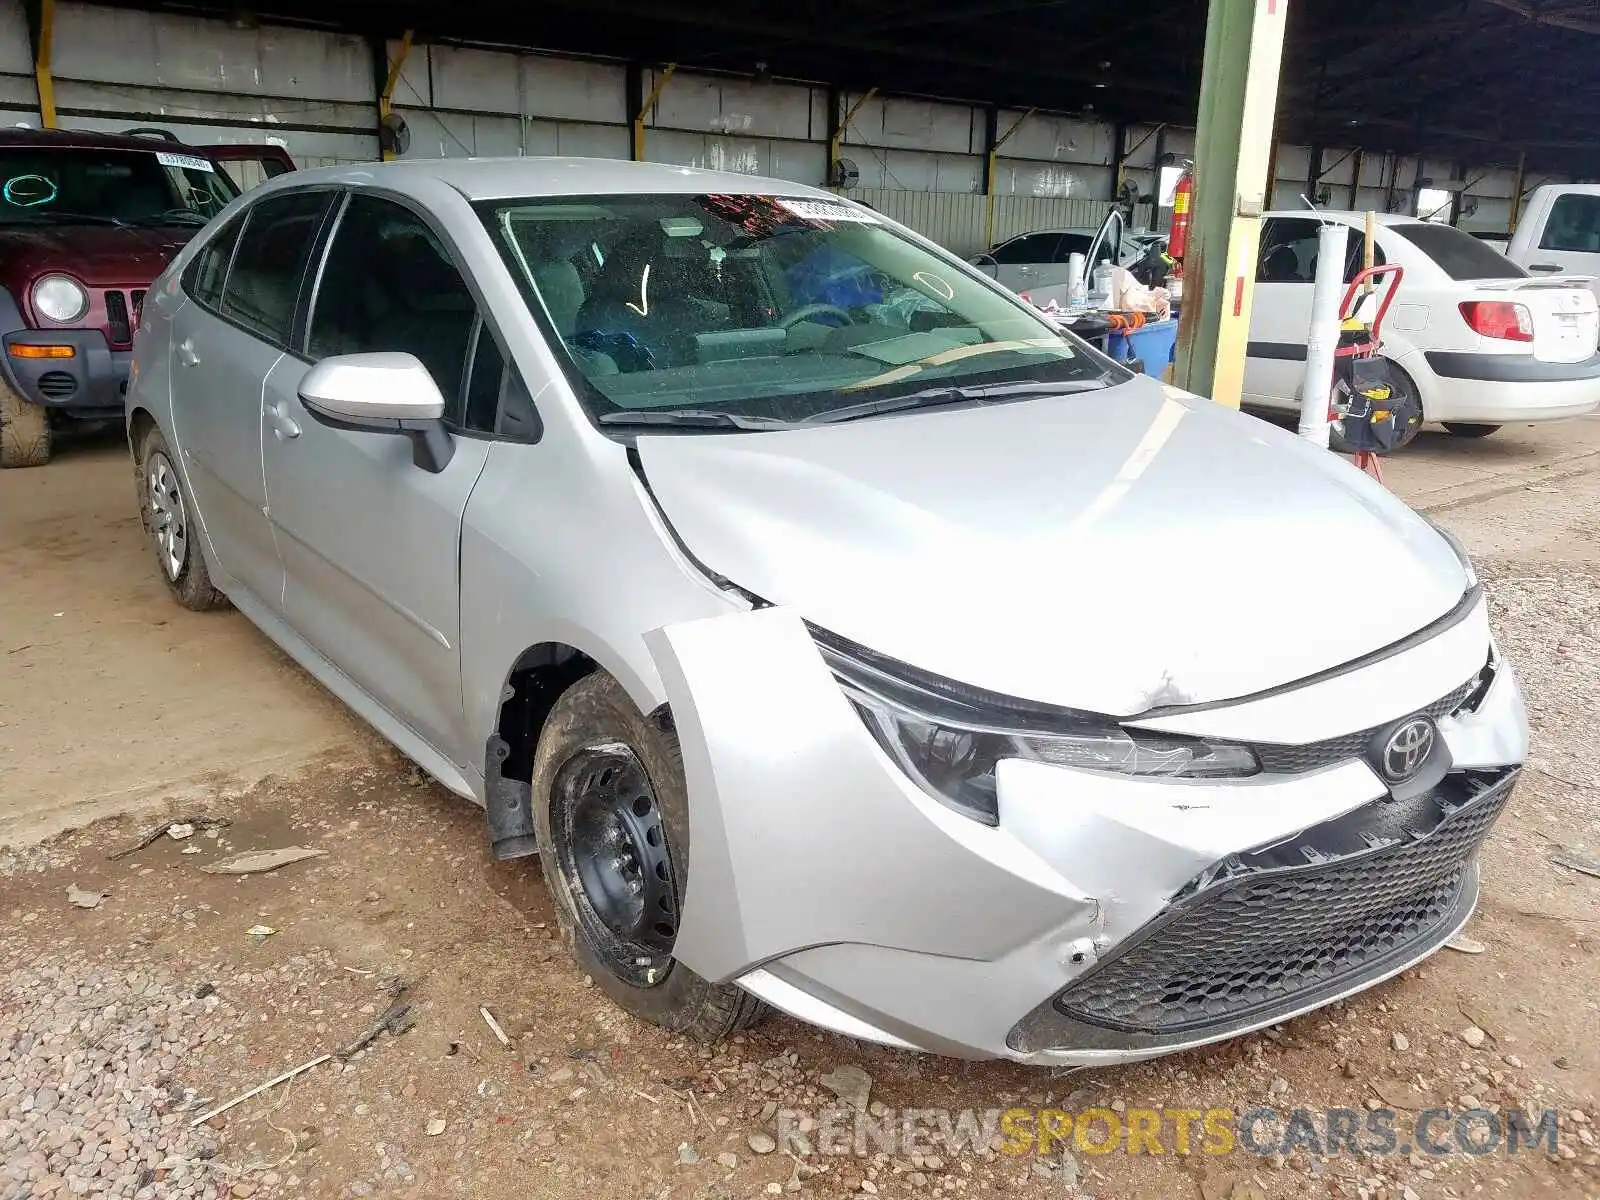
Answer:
(57, 385)
(1274, 929)
(1293, 760)
(118, 331)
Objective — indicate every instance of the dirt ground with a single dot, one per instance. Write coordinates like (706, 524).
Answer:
(113, 701)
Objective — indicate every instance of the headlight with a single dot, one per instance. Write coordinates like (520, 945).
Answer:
(1458, 547)
(949, 738)
(60, 299)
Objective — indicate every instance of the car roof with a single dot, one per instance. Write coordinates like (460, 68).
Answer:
(82, 139)
(530, 175)
(1346, 216)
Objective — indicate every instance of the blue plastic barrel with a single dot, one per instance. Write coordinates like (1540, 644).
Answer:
(1156, 344)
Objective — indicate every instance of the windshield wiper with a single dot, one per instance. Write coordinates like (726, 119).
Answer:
(935, 397)
(703, 418)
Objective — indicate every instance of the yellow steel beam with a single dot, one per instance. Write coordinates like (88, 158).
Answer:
(649, 102)
(391, 81)
(837, 140)
(41, 65)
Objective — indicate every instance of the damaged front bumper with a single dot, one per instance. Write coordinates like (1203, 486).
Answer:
(1105, 918)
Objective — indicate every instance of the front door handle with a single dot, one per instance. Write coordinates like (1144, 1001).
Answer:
(283, 425)
(1545, 268)
(186, 353)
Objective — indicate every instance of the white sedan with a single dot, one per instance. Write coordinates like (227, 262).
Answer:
(1477, 339)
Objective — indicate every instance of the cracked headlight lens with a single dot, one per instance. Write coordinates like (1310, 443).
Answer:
(950, 738)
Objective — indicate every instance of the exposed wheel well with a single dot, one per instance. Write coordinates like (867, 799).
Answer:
(140, 423)
(539, 676)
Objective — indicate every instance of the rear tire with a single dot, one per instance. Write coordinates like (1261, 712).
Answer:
(166, 512)
(1399, 380)
(611, 811)
(25, 434)
(1470, 430)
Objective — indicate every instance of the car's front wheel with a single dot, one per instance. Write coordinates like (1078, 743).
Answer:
(25, 434)
(168, 519)
(1470, 430)
(612, 815)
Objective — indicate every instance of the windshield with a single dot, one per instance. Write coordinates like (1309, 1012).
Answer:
(66, 185)
(745, 309)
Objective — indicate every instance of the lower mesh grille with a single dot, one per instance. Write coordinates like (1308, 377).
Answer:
(1294, 920)
(1293, 760)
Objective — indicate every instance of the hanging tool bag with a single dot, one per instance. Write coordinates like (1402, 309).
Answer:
(1373, 414)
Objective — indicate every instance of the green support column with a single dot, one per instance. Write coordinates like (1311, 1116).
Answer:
(1238, 97)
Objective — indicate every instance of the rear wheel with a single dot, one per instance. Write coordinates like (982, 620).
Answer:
(1405, 389)
(168, 519)
(611, 811)
(24, 431)
(1467, 430)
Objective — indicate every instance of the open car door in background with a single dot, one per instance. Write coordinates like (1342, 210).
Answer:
(249, 165)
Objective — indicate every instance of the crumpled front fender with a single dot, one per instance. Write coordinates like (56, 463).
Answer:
(801, 831)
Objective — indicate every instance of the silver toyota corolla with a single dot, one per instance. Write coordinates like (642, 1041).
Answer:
(839, 634)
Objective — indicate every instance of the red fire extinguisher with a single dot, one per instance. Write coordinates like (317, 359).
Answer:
(1182, 196)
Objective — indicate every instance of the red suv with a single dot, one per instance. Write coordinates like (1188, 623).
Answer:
(87, 220)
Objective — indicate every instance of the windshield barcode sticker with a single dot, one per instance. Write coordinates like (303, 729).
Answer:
(189, 162)
(823, 210)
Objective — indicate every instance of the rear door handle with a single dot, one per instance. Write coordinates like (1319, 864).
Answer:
(186, 353)
(1545, 268)
(283, 425)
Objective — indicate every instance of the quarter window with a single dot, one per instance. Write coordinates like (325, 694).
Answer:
(389, 285)
(263, 285)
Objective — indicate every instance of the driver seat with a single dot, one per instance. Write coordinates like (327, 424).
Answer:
(636, 312)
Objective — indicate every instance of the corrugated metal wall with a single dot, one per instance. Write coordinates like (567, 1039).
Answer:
(920, 161)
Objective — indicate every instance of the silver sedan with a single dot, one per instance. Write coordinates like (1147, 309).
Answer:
(838, 634)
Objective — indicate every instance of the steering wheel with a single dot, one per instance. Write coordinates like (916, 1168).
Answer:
(806, 311)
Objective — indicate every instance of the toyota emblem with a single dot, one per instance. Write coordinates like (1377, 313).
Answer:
(1407, 749)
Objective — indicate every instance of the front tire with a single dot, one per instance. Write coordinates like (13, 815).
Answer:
(25, 434)
(168, 519)
(612, 816)
(1462, 429)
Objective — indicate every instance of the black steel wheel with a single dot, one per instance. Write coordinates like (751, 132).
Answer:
(611, 811)
(610, 844)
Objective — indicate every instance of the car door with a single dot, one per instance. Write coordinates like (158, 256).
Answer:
(370, 541)
(243, 288)
(1280, 316)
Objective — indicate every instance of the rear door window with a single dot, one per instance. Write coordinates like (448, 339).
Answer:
(1459, 255)
(269, 265)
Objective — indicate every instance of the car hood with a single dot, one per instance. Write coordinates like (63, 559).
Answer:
(1113, 551)
(98, 255)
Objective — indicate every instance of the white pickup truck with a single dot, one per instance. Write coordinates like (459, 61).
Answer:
(1559, 232)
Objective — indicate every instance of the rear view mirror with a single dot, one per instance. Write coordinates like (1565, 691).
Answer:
(381, 393)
